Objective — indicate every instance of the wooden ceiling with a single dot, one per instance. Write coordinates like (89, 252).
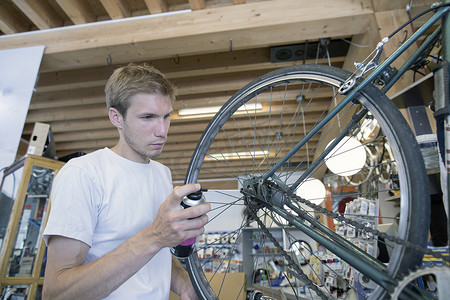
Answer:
(207, 48)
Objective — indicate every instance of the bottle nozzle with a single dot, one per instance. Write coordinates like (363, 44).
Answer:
(197, 195)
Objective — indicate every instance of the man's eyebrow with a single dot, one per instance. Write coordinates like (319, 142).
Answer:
(148, 114)
(155, 115)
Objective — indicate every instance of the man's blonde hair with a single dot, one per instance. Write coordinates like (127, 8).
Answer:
(125, 82)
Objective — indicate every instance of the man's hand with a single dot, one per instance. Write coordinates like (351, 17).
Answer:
(173, 225)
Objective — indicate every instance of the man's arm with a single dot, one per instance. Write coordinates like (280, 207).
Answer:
(181, 283)
(67, 277)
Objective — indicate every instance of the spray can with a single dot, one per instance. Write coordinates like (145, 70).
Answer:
(183, 250)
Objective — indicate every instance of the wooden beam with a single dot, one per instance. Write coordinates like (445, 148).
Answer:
(40, 13)
(10, 22)
(182, 151)
(387, 22)
(67, 98)
(197, 4)
(157, 6)
(78, 11)
(418, 6)
(75, 125)
(116, 9)
(173, 68)
(98, 109)
(67, 117)
(235, 2)
(179, 139)
(384, 5)
(204, 31)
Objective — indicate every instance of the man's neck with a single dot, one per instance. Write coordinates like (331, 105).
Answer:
(129, 154)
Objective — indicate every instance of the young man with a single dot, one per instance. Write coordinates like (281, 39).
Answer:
(114, 215)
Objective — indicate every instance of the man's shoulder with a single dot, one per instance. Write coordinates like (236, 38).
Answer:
(157, 164)
(89, 160)
(160, 166)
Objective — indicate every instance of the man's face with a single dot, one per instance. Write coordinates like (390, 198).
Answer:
(146, 125)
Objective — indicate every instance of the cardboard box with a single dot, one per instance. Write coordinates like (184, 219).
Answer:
(38, 139)
(234, 286)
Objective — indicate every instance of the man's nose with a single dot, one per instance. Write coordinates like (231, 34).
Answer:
(162, 128)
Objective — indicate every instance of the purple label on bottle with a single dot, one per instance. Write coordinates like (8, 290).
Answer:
(188, 242)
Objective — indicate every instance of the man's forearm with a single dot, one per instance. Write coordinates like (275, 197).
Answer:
(180, 278)
(98, 278)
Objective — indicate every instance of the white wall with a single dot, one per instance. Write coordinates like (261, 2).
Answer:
(18, 74)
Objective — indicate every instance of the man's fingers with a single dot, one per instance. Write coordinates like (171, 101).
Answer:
(194, 227)
(180, 191)
(197, 222)
(196, 211)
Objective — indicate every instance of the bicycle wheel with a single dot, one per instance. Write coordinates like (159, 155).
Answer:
(250, 135)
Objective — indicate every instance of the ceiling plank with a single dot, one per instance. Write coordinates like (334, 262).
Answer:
(238, 2)
(78, 11)
(187, 66)
(74, 125)
(117, 9)
(197, 4)
(10, 22)
(198, 32)
(178, 141)
(157, 6)
(50, 115)
(65, 120)
(66, 99)
(177, 133)
(40, 13)
(383, 5)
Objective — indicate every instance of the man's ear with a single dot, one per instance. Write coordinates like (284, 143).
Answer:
(115, 117)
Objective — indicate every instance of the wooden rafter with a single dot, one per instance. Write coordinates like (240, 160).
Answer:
(197, 4)
(40, 13)
(78, 11)
(157, 6)
(10, 22)
(117, 9)
(203, 31)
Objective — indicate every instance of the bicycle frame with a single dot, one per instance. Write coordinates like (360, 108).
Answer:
(329, 239)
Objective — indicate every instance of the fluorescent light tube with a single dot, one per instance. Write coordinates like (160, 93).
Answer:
(215, 109)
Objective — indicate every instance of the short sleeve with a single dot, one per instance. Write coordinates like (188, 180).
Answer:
(75, 202)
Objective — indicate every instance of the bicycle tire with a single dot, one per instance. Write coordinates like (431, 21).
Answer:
(414, 206)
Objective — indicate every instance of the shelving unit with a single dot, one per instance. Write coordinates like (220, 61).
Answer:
(215, 256)
(254, 236)
(27, 186)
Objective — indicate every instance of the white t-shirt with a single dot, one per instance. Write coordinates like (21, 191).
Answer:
(103, 199)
